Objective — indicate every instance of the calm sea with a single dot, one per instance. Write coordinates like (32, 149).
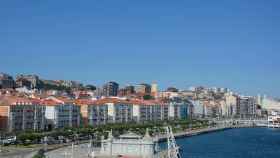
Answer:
(234, 143)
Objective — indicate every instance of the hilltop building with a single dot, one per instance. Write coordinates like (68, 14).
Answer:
(126, 91)
(28, 81)
(6, 81)
(110, 89)
(154, 90)
(143, 89)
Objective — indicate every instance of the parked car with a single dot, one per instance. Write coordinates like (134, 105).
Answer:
(9, 140)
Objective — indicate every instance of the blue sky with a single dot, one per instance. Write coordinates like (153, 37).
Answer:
(222, 43)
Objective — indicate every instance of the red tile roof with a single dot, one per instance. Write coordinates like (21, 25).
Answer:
(53, 101)
(50, 102)
(84, 102)
(14, 100)
(118, 101)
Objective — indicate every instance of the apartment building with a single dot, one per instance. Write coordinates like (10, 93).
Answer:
(17, 114)
(116, 110)
(119, 111)
(110, 89)
(105, 110)
(61, 113)
(92, 113)
(246, 106)
(231, 102)
(126, 91)
(178, 110)
(143, 88)
(145, 111)
(6, 81)
(29, 81)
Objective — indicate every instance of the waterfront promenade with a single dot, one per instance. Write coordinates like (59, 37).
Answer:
(16, 152)
(220, 126)
(82, 150)
(64, 149)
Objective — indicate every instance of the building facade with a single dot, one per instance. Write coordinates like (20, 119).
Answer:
(147, 111)
(231, 102)
(126, 91)
(61, 113)
(29, 81)
(178, 110)
(6, 81)
(110, 89)
(116, 110)
(19, 114)
(129, 145)
(143, 89)
(246, 106)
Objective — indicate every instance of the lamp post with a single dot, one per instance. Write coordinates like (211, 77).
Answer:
(45, 143)
(72, 150)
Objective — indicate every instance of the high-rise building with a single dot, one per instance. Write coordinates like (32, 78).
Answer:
(110, 89)
(246, 106)
(98, 92)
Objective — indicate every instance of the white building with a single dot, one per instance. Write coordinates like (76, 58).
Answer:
(177, 110)
(274, 119)
(129, 145)
(270, 104)
(198, 108)
(145, 111)
(61, 113)
(231, 103)
(154, 90)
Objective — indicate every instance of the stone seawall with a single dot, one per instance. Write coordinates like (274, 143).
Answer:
(190, 133)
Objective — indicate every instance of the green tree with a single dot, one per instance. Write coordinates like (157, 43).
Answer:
(148, 97)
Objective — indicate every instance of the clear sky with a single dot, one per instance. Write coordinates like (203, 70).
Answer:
(223, 43)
